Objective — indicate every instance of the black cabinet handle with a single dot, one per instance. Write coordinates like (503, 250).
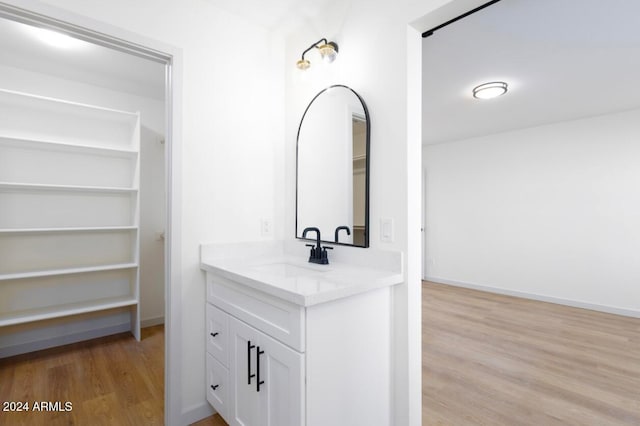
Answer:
(249, 375)
(258, 381)
(214, 334)
(214, 387)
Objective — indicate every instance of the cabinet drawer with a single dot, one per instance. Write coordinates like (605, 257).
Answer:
(280, 319)
(218, 334)
(217, 386)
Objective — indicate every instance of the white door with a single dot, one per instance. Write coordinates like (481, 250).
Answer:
(244, 404)
(267, 379)
(282, 389)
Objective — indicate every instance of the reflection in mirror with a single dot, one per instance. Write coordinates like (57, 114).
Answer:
(333, 167)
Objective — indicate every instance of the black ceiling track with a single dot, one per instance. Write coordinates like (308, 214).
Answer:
(464, 15)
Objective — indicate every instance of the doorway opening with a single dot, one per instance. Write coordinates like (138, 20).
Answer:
(528, 195)
(88, 139)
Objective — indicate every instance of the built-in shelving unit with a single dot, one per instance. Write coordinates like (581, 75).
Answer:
(69, 210)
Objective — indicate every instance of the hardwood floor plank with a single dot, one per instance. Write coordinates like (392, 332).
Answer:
(147, 413)
(501, 360)
(214, 420)
(103, 410)
(113, 380)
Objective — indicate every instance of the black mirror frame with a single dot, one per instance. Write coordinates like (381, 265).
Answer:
(367, 165)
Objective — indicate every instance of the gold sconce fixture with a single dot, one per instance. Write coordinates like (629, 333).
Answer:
(328, 53)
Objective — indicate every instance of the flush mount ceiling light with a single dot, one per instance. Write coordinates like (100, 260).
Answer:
(490, 90)
(328, 53)
(56, 39)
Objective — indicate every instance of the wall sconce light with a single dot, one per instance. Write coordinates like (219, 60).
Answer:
(328, 52)
(490, 90)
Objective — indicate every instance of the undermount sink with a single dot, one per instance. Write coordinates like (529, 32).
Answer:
(286, 270)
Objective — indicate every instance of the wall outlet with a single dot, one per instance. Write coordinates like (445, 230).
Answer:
(386, 230)
(266, 227)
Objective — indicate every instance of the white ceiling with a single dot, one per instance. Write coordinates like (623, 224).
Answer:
(87, 63)
(277, 15)
(562, 59)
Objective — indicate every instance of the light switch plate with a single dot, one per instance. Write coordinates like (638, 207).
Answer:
(386, 230)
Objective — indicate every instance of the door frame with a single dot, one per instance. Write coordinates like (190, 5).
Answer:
(423, 218)
(35, 13)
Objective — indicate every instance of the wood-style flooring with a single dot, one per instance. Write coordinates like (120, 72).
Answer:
(112, 380)
(497, 360)
(487, 360)
(214, 420)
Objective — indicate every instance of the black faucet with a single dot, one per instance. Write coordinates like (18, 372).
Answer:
(318, 253)
(346, 228)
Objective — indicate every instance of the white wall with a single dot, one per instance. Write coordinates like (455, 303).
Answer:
(548, 211)
(152, 225)
(152, 215)
(374, 38)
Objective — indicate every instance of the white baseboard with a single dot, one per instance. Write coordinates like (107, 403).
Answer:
(567, 302)
(196, 412)
(38, 345)
(150, 322)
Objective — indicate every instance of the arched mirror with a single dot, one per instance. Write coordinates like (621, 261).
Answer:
(332, 191)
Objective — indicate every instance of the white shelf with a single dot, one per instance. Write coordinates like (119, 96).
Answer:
(68, 271)
(21, 317)
(69, 188)
(35, 117)
(28, 97)
(77, 229)
(65, 146)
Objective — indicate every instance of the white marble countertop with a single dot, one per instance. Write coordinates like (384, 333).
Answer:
(282, 269)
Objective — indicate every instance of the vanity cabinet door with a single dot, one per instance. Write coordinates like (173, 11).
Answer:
(244, 404)
(283, 391)
(267, 379)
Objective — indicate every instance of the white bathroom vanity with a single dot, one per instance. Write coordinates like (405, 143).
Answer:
(294, 343)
